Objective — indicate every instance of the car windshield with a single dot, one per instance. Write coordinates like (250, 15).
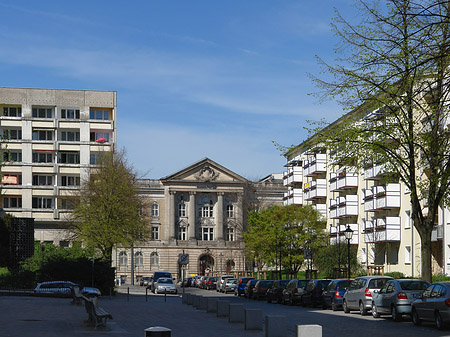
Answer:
(301, 283)
(377, 283)
(265, 283)
(253, 282)
(414, 285)
(231, 280)
(283, 283)
(158, 275)
(165, 280)
(322, 284)
(344, 284)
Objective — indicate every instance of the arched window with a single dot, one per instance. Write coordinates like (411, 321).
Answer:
(155, 209)
(123, 259)
(154, 260)
(138, 259)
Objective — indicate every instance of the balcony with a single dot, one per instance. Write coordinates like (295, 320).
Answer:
(337, 234)
(293, 175)
(375, 172)
(315, 189)
(333, 181)
(344, 206)
(369, 231)
(293, 197)
(316, 164)
(388, 229)
(321, 208)
(382, 197)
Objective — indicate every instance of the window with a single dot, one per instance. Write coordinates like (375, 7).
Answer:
(408, 254)
(42, 202)
(96, 136)
(42, 180)
(12, 111)
(230, 234)
(230, 211)
(64, 244)
(123, 259)
(70, 114)
(94, 158)
(42, 112)
(138, 259)
(67, 203)
(407, 219)
(207, 233)
(70, 136)
(12, 202)
(42, 135)
(155, 210)
(206, 211)
(181, 209)
(154, 260)
(43, 157)
(99, 114)
(155, 233)
(182, 233)
(69, 158)
(13, 155)
(70, 181)
(12, 134)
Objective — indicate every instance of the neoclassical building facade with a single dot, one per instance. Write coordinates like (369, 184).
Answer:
(199, 211)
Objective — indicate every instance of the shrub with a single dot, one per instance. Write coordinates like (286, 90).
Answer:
(395, 274)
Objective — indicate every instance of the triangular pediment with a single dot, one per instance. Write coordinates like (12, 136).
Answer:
(204, 171)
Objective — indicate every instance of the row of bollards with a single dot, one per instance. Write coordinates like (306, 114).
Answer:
(274, 325)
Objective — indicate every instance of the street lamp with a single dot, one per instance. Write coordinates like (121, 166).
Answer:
(348, 235)
(280, 245)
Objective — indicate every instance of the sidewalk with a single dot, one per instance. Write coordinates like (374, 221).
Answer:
(48, 317)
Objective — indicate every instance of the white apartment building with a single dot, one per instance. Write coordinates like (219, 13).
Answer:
(51, 137)
(377, 211)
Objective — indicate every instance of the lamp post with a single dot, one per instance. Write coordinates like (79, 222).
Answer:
(280, 245)
(348, 235)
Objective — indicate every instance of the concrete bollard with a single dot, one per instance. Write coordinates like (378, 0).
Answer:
(222, 308)
(212, 305)
(203, 303)
(196, 302)
(312, 330)
(189, 299)
(253, 319)
(184, 298)
(236, 313)
(157, 331)
(276, 326)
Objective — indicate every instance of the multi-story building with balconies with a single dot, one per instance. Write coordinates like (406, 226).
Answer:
(51, 138)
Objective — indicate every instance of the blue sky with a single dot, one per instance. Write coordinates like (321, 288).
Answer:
(195, 79)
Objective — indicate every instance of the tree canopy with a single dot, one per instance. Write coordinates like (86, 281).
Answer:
(393, 74)
(290, 228)
(108, 212)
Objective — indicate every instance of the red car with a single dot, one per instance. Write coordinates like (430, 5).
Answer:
(261, 288)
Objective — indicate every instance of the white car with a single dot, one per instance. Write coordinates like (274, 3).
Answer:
(165, 285)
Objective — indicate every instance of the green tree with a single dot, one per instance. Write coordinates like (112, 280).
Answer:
(291, 228)
(108, 212)
(327, 258)
(393, 75)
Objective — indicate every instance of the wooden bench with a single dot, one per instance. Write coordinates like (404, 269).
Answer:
(97, 316)
(76, 295)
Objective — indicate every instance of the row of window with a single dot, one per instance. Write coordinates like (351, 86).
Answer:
(40, 180)
(139, 259)
(43, 112)
(44, 134)
(207, 233)
(39, 202)
(49, 157)
(203, 211)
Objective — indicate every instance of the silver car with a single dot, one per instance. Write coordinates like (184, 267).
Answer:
(165, 285)
(221, 283)
(396, 296)
(360, 292)
(433, 305)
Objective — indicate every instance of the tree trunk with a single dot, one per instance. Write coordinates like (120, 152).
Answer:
(425, 237)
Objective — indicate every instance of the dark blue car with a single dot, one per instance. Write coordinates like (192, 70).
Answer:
(334, 293)
(242, 282)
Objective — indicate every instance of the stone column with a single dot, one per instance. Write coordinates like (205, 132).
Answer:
(191, 217)
(171, 219)
(219, 219)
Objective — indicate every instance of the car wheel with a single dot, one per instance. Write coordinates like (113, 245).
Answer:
(362, 309)
(334, 307)
(396, 317)
(375, 313)
(345, 307)
(438, 320)
(415, 317)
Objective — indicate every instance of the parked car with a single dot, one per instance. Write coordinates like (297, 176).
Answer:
(261, 288)
(195, 281)
(313, 292)
(211, 283)
(396, 296)
(221, 282)
(156, 276)
(145, 281)
(433, 305)
(360, 292)
(230, 285)
(165, 285)
(334, 292)
(275, 291)
(202, 282)
(248, 290)
(187, 282)
(294, 291)
(241, 284)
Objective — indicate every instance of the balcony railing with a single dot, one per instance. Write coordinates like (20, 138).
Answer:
(322, 208)
(293, 197)
(344, 206)
(315, 189)
(316, 164)
(293, 175)
(382, 197)
(337, 233)
(375, 172)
